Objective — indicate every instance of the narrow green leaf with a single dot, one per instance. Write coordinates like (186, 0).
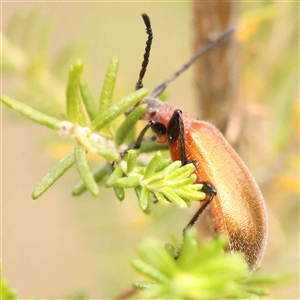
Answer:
(88, 99)
(117, 109)
(99, 174)
(127, 182)
(109, 84)
(117, 173)
(173, 197)
(132, 154)
(177, 183)
(84, 170)
(148, 271)
(138, 191)
(119, 192)
(144, 199)
(162, 164)
(182, 172)
(196, 187)
(81, 115)
(161, 198)
(143, 285)
(56, 172)
(31, 113)
(155, 181)
(156, 256)
(129, 123)
(189, 194)
(73, 100)
(151, 168)
(172, 167)
(189, 249)
(258, 291)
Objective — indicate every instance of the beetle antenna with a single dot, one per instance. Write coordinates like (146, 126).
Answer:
(139, 83)
(161, 87)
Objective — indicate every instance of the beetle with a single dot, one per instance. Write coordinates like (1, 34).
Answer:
(234, 200)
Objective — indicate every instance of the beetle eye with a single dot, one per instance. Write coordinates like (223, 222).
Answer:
(159, 129)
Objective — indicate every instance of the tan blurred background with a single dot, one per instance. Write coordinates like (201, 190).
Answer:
(59, 245)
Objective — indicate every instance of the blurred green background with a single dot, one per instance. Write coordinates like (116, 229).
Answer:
(59, 244)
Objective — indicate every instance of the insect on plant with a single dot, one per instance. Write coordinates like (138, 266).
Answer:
(234, 200)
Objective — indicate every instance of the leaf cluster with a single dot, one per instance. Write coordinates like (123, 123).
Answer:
(90, 124)
(199, 271)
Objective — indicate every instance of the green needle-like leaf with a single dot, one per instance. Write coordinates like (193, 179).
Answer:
(116, 174)
(109, 84)
(99, 174)
(88, 99)
(173, 196)
(128, 182)
(84, 170)
(141, 285)
(73, 88)
(56, 172)
(182, 182)
(31, 113)
(152, 166)
(131, 159)
(149, 271)
(144, 199)
(117, 109)
(191, 249)
(119, 192)
(129, 123)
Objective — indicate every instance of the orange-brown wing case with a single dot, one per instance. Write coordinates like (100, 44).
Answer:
(238, 210)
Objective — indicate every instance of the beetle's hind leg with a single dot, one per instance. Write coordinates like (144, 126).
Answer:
(210, 192)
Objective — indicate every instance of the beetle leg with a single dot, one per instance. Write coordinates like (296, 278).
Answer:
(158, 128)
(211, 192)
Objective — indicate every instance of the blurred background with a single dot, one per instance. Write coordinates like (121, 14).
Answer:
(60, 245)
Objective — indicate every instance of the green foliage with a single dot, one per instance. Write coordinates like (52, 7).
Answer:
(6, 292)
(88, 138)
(168, 181)
(200, 271)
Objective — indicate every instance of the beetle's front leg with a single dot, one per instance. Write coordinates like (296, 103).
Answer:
(158, 128)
